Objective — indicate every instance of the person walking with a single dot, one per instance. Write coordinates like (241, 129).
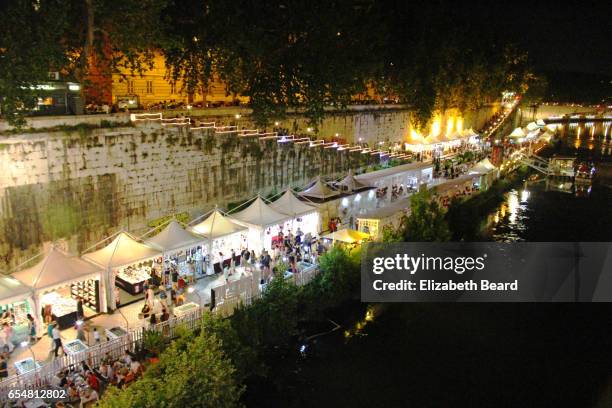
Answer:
(57, 339)
(31, 328)
(7, 334)
(80, 313)
(50, 333)
(3, 366)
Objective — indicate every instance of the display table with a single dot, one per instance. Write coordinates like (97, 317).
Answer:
(27, 365)
(63, 307)
(115, 332)
(182, 310)
(75, 346)
(67, 320)
(132, 280)
(305, 266)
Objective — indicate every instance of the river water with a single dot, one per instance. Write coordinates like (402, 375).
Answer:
(473, 355)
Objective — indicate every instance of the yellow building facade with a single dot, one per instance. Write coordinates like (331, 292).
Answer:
(152, 87)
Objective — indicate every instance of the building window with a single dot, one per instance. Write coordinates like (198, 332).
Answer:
(149, 87)
(130, 87)
(173, 88)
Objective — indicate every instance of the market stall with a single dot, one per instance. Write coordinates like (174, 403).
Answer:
(179, 248)
(374, 221)
(486, 172)
(263, 221)
(59, 281)
(15, 303)
(303, 216)
(127, 264)
(347, 236)
(222, 235)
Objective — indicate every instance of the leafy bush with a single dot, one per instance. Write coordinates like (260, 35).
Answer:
(153, 341)
(197, 373)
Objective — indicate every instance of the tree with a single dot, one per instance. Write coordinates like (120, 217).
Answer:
(191, 373)
(426, 221)
(282, 55)
(270, 320)
(30, 47)
(85, 40)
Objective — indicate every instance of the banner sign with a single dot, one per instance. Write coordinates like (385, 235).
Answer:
(487, 272)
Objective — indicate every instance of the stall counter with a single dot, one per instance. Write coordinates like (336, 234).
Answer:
(115, 332)
(182, 310)
(75, 346)
(26, 365)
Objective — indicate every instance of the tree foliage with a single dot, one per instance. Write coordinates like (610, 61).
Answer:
(426, 222)
(193, 372)
(283, 55)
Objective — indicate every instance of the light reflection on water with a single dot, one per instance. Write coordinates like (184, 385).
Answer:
(509, 221)
(557, 210)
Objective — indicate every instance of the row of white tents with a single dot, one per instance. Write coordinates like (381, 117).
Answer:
(58, 269)
(528, 132)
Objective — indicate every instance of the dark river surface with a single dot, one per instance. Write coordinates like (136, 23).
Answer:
(474, 355)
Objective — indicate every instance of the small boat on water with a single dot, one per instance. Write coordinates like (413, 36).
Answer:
(584, 173)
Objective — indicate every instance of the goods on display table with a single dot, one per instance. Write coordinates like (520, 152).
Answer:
(89, 292)
(132, 278)
(115, 332)
(75, 346)
(305, 266)
(24, 366)
(63, 307)
(17, 311)
(182, 310)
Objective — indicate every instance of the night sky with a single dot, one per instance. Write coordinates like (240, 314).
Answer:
(559, 35)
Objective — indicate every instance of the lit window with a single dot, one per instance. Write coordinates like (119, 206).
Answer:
(173, 88)
(130, 87)
(149, 87)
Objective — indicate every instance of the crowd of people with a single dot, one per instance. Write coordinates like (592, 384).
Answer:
(84, 384)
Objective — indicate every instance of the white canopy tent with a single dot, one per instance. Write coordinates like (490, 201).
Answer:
(483, 167)
(304, 216)
(319, 190)
(217, 225)
(470, 135)
(220, 233)
(56, 270)
(174, 238)
(259, 217)
(518, 132)
(486, 171)
(19, 297)
(12, 290)
(124, 250)
(179, 244)
(531, 126)
(540, 123)
(350, 183)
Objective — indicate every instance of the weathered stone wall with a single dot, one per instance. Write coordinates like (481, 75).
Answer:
(357, 123)
(83, 185)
